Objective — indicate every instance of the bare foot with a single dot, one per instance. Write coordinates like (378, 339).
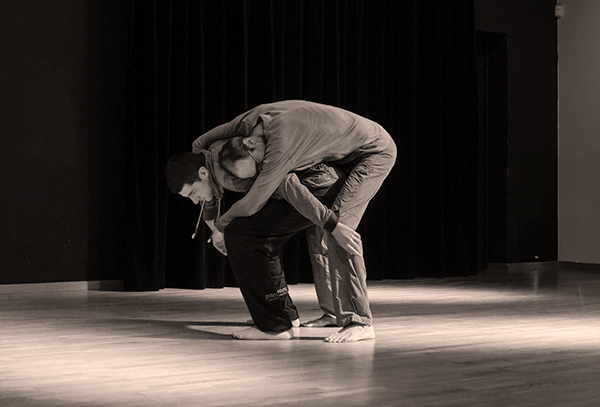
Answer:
(295, 322)
(324, 321)
(256, 334)
(352, 332)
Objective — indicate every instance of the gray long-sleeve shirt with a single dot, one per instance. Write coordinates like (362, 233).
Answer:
(298, 135)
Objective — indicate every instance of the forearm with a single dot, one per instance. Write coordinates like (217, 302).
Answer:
(302, 199)
(211, 225)
(216, 237)
(221, 132)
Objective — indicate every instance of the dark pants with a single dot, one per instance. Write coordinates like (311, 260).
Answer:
(254, 246)
(280, 284)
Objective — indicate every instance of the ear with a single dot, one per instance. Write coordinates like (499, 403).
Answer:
(203, 173)
(248, 142)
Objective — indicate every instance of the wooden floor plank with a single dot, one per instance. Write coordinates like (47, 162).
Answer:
(506, 338)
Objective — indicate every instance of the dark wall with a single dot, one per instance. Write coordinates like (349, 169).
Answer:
(63, 90)
(106, 69)
(531, 201)
(43, 164)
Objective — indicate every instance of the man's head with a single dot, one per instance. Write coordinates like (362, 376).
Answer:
(188, 176)
(241, 156)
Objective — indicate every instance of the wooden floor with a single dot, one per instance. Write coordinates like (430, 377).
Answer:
(505, 338)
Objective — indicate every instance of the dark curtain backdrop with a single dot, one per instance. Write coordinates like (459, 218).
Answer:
(408, 65)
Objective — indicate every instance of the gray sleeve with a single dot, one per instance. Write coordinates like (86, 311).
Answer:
(300, 197)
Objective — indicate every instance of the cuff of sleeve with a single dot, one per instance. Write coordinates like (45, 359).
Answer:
(210, 210)
(331, 222)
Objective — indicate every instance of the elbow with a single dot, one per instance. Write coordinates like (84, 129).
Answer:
(196, 147)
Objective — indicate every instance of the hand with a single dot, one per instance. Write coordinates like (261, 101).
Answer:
(218, 241)
(348, 239)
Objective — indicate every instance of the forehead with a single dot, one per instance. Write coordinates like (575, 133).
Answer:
(187, 189)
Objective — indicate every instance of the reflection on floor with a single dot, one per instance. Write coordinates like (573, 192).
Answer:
(522, 336)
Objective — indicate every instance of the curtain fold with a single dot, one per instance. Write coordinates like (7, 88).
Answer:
(409, 65)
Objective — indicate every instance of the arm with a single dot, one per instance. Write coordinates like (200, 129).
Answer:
(236, 127)
(273, 173)
(293, 191)
(221, 132)
(216, 237)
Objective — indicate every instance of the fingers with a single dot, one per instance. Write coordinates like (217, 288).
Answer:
(355, 250)
(348, 239)
(353, 247)
(356, 246)
(221, 248)
(219, 244)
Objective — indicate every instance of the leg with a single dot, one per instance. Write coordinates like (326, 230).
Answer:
(349, 287)
(317, 249)
(281, 285)
(348, 273)
(252, 243)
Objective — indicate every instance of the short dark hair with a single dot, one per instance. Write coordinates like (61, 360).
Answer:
(182, 168)
(233, 150)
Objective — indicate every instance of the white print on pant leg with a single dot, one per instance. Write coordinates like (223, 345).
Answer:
(275, 296)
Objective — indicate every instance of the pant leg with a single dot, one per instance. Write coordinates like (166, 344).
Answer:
(280, 285)
(348, 286)
(251, 243)
(317, 250)
(348, 273)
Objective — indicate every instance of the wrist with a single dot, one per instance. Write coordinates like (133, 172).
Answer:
(332, 222)
(211, 225)
(220, 226)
